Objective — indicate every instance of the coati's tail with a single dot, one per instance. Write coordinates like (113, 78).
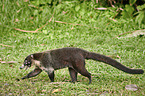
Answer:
(113, 63)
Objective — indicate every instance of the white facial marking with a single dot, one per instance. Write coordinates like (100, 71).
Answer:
(31, 56)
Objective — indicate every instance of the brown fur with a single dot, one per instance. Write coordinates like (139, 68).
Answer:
(73, 58)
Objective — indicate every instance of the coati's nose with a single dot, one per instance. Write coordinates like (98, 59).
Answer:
(22, 67)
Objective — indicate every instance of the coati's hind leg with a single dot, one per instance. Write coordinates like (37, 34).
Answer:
(33, 73)
(79, 66)
(73, 74)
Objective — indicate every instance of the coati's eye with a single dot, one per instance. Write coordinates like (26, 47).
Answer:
(29, 65)
(25, 63)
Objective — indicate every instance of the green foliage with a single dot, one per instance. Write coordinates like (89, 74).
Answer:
(85, 27)
(128, 11)
(140, 19)
(131, 2)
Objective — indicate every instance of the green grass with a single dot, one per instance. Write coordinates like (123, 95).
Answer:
(105, 79)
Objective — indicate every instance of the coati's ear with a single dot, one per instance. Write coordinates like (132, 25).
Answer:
(32, 56)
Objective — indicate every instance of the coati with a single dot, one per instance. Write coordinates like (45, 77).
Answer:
(73, 58)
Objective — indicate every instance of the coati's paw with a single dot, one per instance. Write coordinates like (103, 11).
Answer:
(17, 79)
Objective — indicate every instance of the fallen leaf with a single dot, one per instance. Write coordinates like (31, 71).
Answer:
(31, 17)
(26, 0)
(19, 10)
(9, 62)
(6, 84)
(136, 33)
(64, 12)
(44, 90)
(133, 34)
(34, 6)
(18, 4)
(2, 62)
(101, 8)
(57, 82)
(72, 28)
(114, 56)
(113, 19)
(118, 56)
(132, 87)
(6, 45)
(10, 65)
(92, 94)
(56, 90)
(10, 94)
(24, 31)
(16, 20)
(42, 44)
(105, 93)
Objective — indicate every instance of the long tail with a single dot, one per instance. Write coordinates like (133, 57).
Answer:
(112, 62)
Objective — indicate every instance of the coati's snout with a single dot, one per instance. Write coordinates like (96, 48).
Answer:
(22, 67)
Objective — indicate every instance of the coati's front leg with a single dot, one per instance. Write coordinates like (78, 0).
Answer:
(33, 73)
(73, 74)
(50, 73)
(51, 76)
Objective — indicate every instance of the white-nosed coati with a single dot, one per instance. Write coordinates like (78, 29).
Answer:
(73, 58)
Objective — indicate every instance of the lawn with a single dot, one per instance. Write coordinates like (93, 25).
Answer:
(68, 24)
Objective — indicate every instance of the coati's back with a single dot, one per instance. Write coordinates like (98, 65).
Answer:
(65, 57)
(68, 52)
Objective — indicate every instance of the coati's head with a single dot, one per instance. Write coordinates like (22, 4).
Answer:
(27, 62)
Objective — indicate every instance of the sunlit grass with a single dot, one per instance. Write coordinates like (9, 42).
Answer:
(101, 39)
